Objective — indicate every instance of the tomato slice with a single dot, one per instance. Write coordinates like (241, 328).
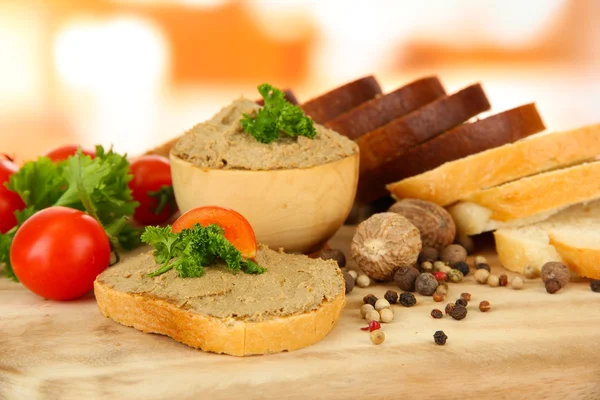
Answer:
(237, 228)
(64, 152)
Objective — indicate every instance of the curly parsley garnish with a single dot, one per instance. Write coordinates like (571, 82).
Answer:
(277, 116)
(191, 250)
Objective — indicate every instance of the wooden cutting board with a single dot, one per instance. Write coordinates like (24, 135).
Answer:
(530, 345)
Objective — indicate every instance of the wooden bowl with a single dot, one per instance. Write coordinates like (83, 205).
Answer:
(298, 209)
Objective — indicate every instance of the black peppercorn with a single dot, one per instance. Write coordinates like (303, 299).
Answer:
(458, 312)
(391, 296)
(370, 299)
(437, 314)
(461, 302)
(449, 308)
(430, 254)
(462, 267)
(405, 278)
(334, 254)
(483, 266)
(595, 286)
(552, 286)
(349, 282)
(502, 280)
(440, 338)
(408, 299)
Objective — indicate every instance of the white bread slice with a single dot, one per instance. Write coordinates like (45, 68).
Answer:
(571, 236)
(455, 180)
(527, 200)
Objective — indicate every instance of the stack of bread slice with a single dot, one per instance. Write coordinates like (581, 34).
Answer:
(533, 193)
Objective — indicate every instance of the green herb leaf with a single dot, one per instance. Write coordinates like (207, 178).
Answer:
(5, 242)
(276, 117)
(191, 250)
(40, 183)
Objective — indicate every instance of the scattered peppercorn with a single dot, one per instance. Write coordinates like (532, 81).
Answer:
(531, 272)
(334, 254)
(438, 297)
(485, 306)
(370, 299)
(552, 286)
(441, 276)
(482, 275)
(461, 302)
(425, 284)
(387, 315)
(483, 266)
(466, 242)
(437, 314)
(373, 326)
(381, 304)
(408, 299)
(557, 271)
(353, 274)
(502, 280)
(438, 265)
(363, 281)
(516, 283)
(430, 254)
(453, 253)
(465, 296)
(455, 276)
(480, 260)
(462, 267)
(493, 281)
(373, 315)
(442, 289)
(449, 308)
(365, 309)
(405, 278)
(440, 338)
(595, 286)
(377, 337)
(458, 312)
(349, 282)
(391, 296)
(427, 266)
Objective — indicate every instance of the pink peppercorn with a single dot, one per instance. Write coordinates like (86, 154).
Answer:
(441, 276)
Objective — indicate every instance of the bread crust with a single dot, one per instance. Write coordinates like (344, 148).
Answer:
(329, 105)
(455, 180)
(380, 110)
(584, 261)
(227, 336)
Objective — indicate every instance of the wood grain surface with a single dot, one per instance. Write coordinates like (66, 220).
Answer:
(531, 345)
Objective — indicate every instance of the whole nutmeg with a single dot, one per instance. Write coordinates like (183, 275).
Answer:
(383, 243)
(453, 254)
(435, 224)
(430, 254)
(558, 271)
(405, 278)
(334, 254)
(426, 284)
(349, 282)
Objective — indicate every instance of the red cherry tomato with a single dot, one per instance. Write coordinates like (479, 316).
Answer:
(152, 187)
(237, 228)
(58, 252)
(9, 200)
(63, 152)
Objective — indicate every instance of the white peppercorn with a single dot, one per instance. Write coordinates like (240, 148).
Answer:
(365, 309)
(381, 304)
(363, 281)
(441, 290)
(531, 272)
(427, 266)
(482, 275)
(373, 315)
(353, 274)
(387, 315)
(480, 260)
(516, 283)
(377, 336)
(445, 269)
(493, 281)
(437, 265)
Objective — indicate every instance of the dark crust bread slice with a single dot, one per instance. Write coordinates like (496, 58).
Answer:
(462, 141)
(389, 141)
(382, 109)
(344, 98)
(288, 94)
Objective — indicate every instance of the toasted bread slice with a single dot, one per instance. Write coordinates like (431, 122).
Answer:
(571, 236)
(462, 141)
(527, 200)
(380, 110)
(329, 105)
(294, 304)
(454, 180)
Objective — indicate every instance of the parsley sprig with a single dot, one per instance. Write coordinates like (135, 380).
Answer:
(276, 117)
(191, 250)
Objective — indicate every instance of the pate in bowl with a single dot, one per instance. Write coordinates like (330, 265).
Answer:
(295, 192)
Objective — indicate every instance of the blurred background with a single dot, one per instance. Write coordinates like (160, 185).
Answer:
(135, 73)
